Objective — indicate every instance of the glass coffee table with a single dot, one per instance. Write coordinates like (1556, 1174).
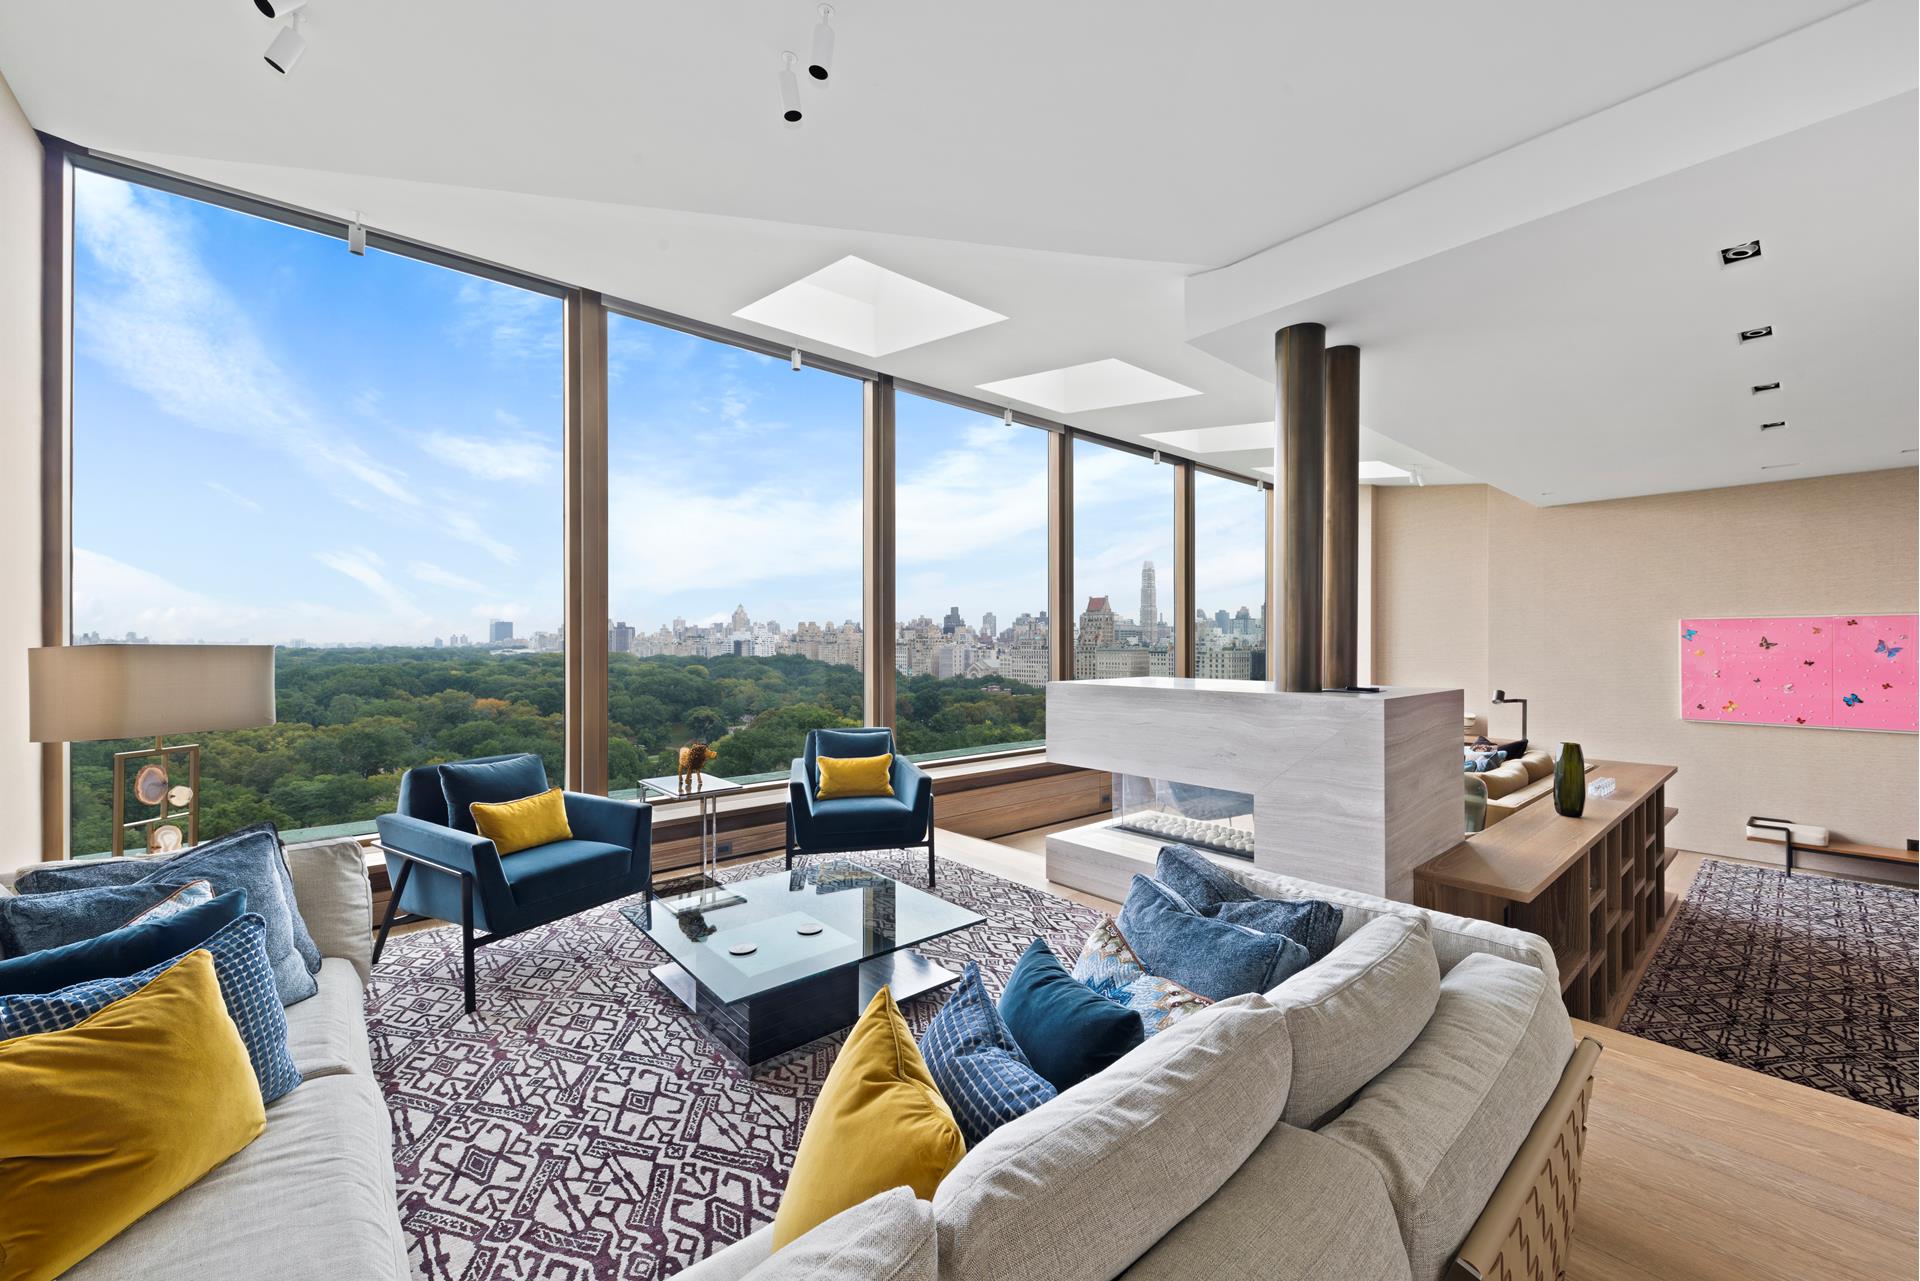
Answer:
(774, 962)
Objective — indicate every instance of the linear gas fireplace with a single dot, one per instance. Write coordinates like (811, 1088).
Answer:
(1210, 818)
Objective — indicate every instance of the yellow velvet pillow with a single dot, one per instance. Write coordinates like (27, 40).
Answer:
(879, 1123)
(513, 826)
(844, 776)
(109, 1118)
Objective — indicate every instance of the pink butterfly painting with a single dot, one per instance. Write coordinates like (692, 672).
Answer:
(1823, 672)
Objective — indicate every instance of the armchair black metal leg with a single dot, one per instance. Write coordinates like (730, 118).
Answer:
(393, 905)
(466, 934)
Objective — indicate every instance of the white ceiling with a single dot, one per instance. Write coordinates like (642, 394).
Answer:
(1121, 180)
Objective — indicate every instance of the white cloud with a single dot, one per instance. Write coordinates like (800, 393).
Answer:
(233, 496)
(428, 572)
(514, 454)
(366, 568)
(516, 323)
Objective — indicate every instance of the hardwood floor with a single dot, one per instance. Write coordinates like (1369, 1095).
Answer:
(1694, 1168)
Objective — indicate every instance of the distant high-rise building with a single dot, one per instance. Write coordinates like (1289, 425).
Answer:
(989, 626)
(1149, 603)
(620, 639)
(499, 631)
(951, 621)
(740, 620)
(1221, 619)
(1096, 623)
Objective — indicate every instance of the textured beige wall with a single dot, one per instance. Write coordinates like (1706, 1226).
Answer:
(1579, 614)
(20, 476)
(1429, 619)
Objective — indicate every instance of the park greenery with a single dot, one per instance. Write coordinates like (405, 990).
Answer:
(351, 721)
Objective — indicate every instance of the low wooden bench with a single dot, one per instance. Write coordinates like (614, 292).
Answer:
(1851, 849)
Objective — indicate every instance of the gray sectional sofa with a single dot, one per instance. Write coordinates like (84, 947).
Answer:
(1393, 1112)
(311, 1199)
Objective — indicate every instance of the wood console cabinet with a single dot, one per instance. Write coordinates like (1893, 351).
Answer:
(1594, 887)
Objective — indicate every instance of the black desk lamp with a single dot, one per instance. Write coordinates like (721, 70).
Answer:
(1500, 696)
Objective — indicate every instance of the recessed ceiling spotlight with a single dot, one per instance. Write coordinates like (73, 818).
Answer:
(279, 8)
(1760, 387)
(822, 65)
(1739, 253)
(1764, 331)
(1773, 426)
(789, 91)
(287, 47)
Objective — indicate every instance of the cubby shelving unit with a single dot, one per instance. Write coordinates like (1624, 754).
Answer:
(1595, 887)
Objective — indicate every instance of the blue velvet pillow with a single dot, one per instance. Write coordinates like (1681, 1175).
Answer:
(1066, 1029)
(1313, 924)
(35, 922)
(83, 874)
(489, 783)
(240, 964)
(120, 952)
(251, 860)
(977, 1064)
(1218, 959)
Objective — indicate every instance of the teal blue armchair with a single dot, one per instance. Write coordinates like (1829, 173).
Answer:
(853, 824)
(441, 868)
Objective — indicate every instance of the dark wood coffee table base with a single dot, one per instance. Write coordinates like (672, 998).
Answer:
(754, 1030)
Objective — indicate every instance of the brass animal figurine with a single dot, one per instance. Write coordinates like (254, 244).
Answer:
(693, 759)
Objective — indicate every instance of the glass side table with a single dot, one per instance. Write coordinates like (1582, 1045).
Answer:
(702, 889)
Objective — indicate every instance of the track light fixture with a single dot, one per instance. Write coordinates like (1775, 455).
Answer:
(1156, 458)
(822, 65)
(287, 46)
(795, 360)
(279, 8)
(357, 237)
(1006, 417)
(789, 91)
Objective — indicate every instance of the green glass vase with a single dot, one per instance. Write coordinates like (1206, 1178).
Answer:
(1570, 781)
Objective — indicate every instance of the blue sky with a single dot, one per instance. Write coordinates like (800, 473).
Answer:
(274, 439)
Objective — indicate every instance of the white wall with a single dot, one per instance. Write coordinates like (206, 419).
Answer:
(19, 473)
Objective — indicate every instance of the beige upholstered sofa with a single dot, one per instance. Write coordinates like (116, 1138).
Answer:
(1412, 1107)
(1516, 784)
(311, 1199)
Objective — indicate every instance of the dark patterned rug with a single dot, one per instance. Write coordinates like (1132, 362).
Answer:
(1808, 978)
(579, 1127)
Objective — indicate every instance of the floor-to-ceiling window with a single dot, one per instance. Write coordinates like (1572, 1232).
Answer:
(1229, 578)
(354, 458)
(734, 588)
(970, 638)
(1122, 563)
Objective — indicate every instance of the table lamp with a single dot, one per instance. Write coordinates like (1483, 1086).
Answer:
(87, 693)
(1500, 696)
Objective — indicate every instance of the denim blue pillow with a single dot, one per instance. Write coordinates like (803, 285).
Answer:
(1066, 1029)
(489, 782)
(1312, 924)
(977, 1064)
(82, 874)
(251, 860)
(34, 922)
(246, 985)
(120, 952)
(1218, 959)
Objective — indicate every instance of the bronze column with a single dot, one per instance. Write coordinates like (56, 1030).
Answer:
(1340, 654)
(1299, 364)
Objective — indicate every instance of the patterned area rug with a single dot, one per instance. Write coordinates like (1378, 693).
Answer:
(1807, 978)
(579, 1127)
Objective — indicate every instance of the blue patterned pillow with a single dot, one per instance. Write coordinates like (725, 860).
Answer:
(1313, 924)
(34, 922)
(1109, 966)
(239, 953)
(981, 1072)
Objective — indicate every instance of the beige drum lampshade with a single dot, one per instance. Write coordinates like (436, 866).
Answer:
(82, 693)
